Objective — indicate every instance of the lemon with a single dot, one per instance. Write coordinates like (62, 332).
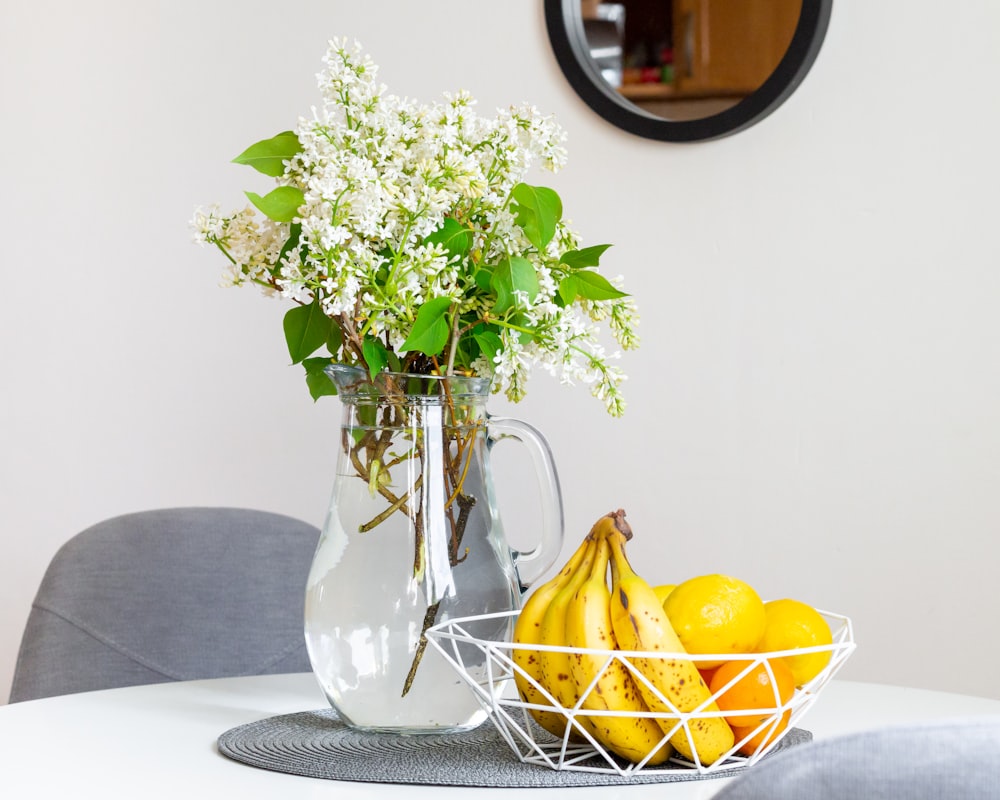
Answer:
(792, 624)
(716, 614)
(663, 590)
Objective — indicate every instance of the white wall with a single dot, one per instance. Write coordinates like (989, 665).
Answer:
(815, 405)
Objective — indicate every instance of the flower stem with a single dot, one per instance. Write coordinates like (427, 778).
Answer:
(453, 348)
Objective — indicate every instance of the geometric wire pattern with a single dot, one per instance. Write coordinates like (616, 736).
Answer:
(488, 668)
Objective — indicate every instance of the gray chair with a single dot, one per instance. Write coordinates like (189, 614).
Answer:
(169, 595)
(954, 758)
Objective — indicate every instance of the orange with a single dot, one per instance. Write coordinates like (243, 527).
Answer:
(754, 688)
(715, 614)
(791, 625)
(762, 738)
(706, 673)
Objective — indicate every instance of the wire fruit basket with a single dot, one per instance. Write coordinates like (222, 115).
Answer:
(487, 666)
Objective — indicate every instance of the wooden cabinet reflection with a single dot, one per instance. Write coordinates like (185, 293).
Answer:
(687, 59)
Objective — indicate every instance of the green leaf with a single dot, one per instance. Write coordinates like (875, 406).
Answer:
(466, 352)
(589, 285)
(394, 363)
(317, 380)
(587, 257)
(376, 355)
(501, 286)
(513, 274)
(483, 278)
(567, 290)
(307, 329)
(294, 233)
(489, 344)
(430, 329)
(453, 236)
(537, 210)
(594, 286)
(269, 155)
(281, 204)
(523, 336)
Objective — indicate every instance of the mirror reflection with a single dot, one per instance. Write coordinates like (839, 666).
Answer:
(687, 59)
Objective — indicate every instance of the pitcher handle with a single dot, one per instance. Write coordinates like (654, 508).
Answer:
(531, 565)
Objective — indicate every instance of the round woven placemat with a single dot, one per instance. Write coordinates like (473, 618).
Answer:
(318, 745)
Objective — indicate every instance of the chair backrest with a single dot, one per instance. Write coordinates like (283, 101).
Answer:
(939, 760)
(167, 595)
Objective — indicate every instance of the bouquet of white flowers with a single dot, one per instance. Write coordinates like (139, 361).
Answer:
(407, 239)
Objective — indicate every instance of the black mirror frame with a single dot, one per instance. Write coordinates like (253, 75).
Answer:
(563, 20)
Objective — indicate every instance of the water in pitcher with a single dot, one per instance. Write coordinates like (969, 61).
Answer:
(367, 608)
(412, 538)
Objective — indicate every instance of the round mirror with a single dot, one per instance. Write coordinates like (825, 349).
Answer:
(685, 70)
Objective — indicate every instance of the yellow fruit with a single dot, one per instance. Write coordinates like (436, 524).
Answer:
(663, 590)
(640, 624)
(792, 624)
(528, 631)
(716, 614)
(607, 685)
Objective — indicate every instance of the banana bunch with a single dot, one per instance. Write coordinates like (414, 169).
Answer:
(528, 631)
(576, 609)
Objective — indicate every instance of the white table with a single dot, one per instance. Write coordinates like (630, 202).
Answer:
(159, 741)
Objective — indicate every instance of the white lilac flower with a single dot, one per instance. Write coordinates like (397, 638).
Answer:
(379, 176)
(511, 369)
(207, 225)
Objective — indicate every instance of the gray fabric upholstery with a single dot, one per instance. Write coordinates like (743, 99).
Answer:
(167, 595)
(956, 758)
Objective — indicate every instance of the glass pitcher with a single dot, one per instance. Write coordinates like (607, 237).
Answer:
(412, 538)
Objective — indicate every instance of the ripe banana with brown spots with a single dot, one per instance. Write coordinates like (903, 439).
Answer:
(528, 631)
(607, 685)
(556, 665)
(641, 624)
